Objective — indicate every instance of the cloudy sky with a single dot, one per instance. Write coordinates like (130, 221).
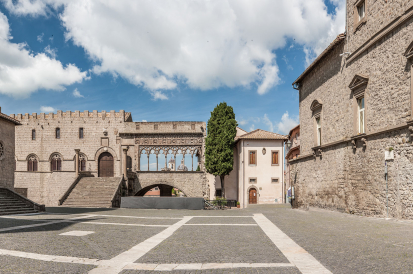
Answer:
(163, 60)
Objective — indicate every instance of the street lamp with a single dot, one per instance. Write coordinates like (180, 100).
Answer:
(289, 144)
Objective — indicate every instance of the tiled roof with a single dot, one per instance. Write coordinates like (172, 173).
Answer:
(6, 117)
(260, 134)
(297, 126)
(336, 41)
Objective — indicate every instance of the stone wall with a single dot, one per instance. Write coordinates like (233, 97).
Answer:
(347, 177)
(192, 184)
(7, 130)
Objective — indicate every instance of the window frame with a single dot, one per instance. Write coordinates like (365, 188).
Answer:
(272, 157)
(272, 178)
(361, 115)
(56, 162)
(57, 133)
(252, 178)
(33, 134)
(318, 130)
(358, 20)
(249, 157)
(81, 133)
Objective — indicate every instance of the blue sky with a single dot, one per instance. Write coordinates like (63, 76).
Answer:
(163, 64)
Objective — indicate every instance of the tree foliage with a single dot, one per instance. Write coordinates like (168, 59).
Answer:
(219, 150)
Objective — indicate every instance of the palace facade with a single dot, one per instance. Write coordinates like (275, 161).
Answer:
(356, 116)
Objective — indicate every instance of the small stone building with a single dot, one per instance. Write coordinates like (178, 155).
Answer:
(7, 159)
(292, 152)
(257, 175)
(356, 111)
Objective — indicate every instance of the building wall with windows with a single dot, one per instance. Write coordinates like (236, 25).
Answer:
(346, 172)
(7, 160)
(45, 156)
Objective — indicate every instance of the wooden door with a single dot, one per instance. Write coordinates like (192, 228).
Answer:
(253, 196)
(106, 165)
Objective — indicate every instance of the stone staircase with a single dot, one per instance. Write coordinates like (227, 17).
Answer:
(13, 203)
(93, 192)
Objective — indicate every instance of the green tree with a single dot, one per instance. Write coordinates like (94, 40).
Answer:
(219, 143)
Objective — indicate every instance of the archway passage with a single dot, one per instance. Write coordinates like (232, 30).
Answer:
(164, 190)
(106, 165)
(253, 196)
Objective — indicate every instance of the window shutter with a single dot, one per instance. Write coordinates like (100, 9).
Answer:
(59, 164)
(28, 165)
(53, 164)
(34, 165)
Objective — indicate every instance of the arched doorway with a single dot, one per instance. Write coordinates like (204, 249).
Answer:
(253, 196)
(161, 190)
(106, 165)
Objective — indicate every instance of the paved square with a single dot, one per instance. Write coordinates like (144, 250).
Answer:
(265, 239)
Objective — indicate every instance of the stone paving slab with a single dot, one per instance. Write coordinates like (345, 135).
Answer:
(227, 220)
(17, 265)
(105, 243)
(215, 244)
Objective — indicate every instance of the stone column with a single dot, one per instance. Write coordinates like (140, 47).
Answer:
(192, 158)
(166, 161)
(148, 159)
(157, 162)
(139, 159)
(175, 162)
(124, 162)
(77, 162)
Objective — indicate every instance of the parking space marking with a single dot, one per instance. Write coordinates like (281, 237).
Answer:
(116, 264)
(43, 224)
(303, 260)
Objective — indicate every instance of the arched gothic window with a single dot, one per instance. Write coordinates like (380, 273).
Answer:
(32, 163)
(128, 162)
(56, 163)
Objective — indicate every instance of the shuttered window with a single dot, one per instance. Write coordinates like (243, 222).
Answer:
(274, 160)
(56, 164)
(253, 158)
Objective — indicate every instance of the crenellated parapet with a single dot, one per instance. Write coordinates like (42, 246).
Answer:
(124, 116)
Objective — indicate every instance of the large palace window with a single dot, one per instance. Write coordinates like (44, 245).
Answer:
(56, 163)
(82, 162)
(32, 163)
(360, 103)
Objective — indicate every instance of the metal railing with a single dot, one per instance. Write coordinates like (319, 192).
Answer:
(219, 204)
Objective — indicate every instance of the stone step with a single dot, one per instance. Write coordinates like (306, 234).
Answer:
(13, 206)
(18, 212)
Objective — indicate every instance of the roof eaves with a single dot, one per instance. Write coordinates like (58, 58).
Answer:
(6, 117)
(330, 47)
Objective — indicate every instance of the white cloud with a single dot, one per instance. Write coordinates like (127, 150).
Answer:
(47, 109)
(286, 123)
(144, 121)
(77, 94)
(22, 72)
(158, 95)
(252, 127)
(268, 122)
(50, 51)
(40, 37)
(204, 44)
(243, 122)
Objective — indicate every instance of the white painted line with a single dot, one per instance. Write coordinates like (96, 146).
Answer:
(138, 217)
(221, 216)
(100, 223)
(49, 258)
(303, 260)
(197, 266)
(225, 224)
(78, 233)
(116, 264)
(42, 224)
